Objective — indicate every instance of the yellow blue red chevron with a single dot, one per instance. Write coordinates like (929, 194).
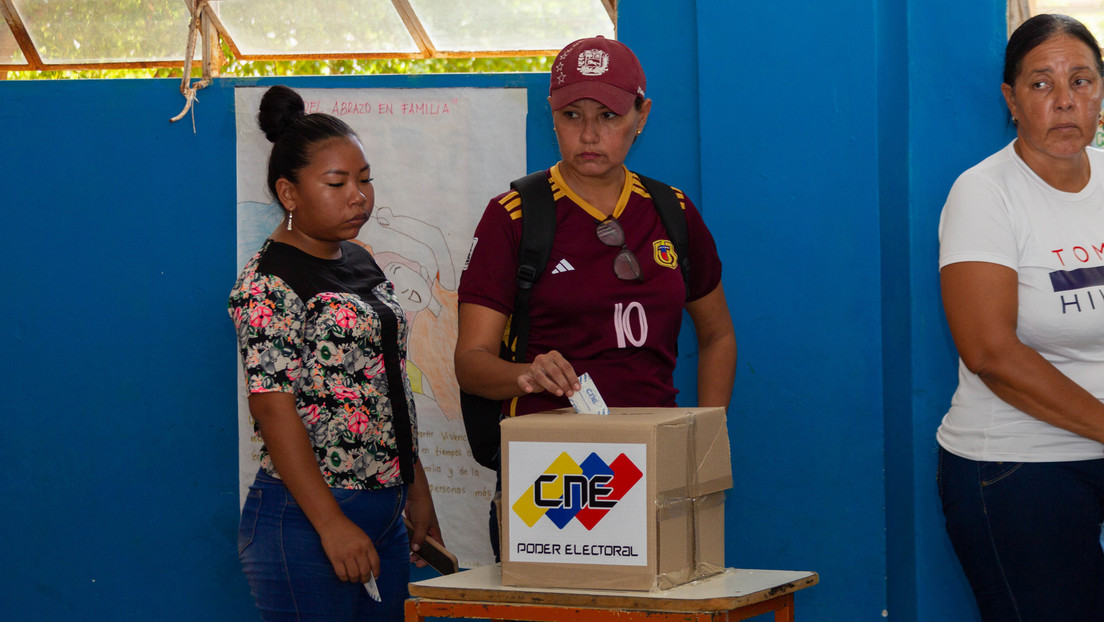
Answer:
(584, 491)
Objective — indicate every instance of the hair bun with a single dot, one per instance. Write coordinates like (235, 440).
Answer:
(280, 107)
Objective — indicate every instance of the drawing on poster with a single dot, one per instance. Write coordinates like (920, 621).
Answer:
(437, 157)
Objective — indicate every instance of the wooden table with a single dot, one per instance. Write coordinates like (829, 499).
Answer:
(730, 596)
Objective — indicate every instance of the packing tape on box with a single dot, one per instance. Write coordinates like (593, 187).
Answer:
(707, 509)
(668, 580)
(704, 511)
(671, 507)
(716, 452)
(692, 456)
(693, 483)
(701, 483)
(704, 570)
(675, 521)
(679, 482)
(702, 564)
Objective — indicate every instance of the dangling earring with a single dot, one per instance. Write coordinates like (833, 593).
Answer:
(290, 214)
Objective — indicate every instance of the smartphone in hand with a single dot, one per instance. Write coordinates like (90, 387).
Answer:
(434, 553)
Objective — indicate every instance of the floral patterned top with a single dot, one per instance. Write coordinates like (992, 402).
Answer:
(325, 331)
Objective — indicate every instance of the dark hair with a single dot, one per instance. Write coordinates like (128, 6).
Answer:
(293, 133)
(1039, 29)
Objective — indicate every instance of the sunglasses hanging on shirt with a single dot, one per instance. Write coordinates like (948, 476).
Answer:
(625, 265)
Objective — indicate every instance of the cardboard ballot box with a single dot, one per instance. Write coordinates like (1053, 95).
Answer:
(633, 500)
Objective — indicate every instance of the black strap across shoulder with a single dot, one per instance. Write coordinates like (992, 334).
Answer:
(674, 221)
(396, 388)
(538, 229)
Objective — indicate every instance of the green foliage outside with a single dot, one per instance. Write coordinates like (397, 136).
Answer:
(389, 65)
(232, 67)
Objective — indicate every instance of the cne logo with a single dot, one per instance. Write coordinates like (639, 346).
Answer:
(665, 254)
(585, 491)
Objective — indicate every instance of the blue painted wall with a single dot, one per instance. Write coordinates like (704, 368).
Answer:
(790, 176)
(819, 140)
(957, 118)
(119, 434)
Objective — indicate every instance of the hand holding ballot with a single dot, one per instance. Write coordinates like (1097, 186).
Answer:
(549, 372)
(580, 391)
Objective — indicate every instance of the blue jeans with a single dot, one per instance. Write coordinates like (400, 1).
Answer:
(1028, 536)
(288, 571)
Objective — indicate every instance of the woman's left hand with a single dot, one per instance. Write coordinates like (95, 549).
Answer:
(420, 511)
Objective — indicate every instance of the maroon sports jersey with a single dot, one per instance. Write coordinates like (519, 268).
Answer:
(624, 333)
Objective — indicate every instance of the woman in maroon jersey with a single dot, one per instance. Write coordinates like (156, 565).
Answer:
(611, 299)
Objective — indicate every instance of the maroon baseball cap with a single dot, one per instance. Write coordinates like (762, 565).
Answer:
(600, 69)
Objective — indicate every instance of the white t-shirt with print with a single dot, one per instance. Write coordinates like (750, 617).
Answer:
(1001, 212)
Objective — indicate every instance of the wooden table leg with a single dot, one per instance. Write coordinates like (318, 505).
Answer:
(786, 613)
(410, 610)
(782, 606)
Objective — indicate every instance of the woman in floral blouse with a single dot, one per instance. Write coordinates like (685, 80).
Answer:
(323, 345)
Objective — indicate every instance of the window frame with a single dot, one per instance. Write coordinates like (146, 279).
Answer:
(212, 33)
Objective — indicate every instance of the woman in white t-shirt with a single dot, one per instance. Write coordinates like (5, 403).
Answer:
(1021, 468)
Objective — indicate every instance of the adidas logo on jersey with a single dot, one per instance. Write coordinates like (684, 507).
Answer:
(563, 266)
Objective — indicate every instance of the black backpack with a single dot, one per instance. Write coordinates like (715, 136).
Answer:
(538, 228)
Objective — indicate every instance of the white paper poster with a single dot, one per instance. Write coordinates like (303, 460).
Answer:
(578, 503)
(437, 157)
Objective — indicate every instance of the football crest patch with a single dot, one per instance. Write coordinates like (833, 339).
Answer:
(664, 253)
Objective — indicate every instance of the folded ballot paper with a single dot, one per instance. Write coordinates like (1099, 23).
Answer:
(588, 400)
(373, 591)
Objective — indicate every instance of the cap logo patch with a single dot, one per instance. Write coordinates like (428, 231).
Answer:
(593, 62)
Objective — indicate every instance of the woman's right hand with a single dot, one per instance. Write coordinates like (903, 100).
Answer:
(480, 371)
(350, 550)
(549, 372)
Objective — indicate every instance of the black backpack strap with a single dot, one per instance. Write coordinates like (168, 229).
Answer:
(538, 228)
(674, 220)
